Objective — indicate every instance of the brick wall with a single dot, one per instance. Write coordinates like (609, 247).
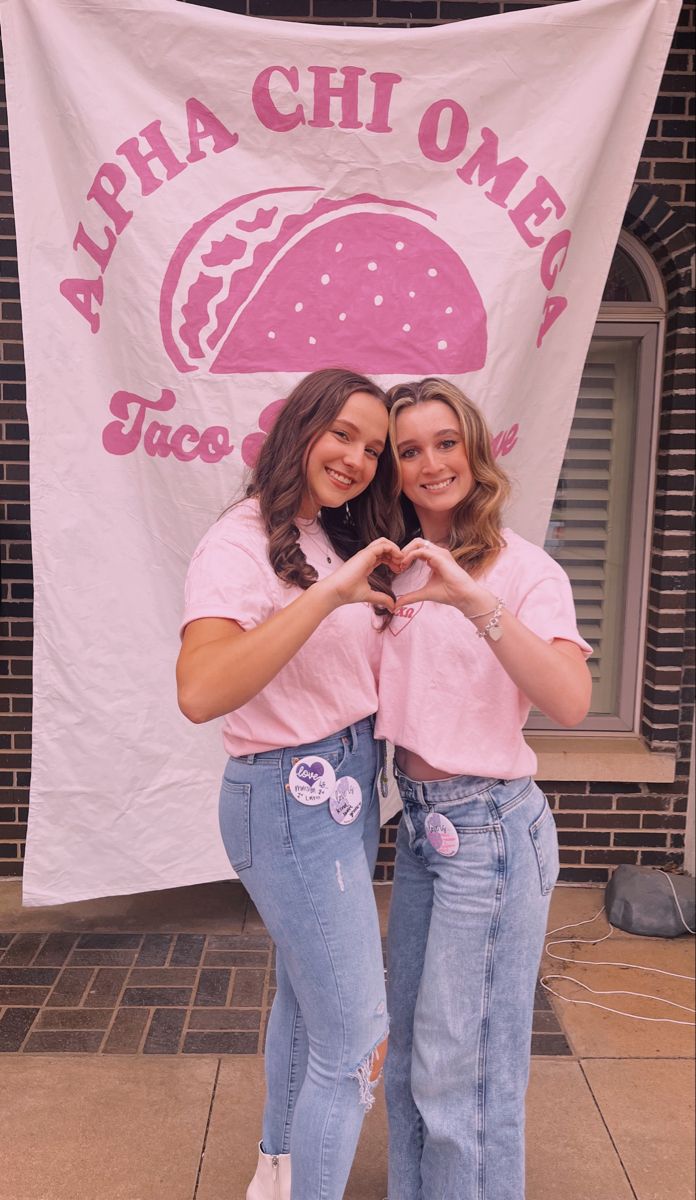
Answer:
(599, 825)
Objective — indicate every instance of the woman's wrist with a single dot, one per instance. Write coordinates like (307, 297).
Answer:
(325, 595)
(478, 603)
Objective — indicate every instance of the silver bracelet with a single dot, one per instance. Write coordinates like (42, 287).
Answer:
(477, 616)
(492, 628)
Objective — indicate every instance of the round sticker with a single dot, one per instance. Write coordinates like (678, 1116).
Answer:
(312, 780)
(441, 834)
(346, 802)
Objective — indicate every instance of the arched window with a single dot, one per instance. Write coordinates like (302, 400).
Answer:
(600, 525)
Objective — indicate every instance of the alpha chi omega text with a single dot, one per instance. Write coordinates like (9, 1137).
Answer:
(390, 280)
(209, 207)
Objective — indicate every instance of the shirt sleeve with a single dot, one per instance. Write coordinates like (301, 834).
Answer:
(548, 610)
(224, 579)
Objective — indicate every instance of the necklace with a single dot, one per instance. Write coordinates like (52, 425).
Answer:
(304, 530)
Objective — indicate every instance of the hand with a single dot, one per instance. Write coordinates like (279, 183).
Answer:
(448, 583)
(350, 583)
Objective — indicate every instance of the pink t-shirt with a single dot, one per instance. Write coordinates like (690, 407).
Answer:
(442, 692)
(332, 680)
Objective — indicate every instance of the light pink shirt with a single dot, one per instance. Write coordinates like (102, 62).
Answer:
(442, 692)
(332, 680)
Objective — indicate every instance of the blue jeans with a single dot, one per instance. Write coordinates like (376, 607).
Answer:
(465, 939)
(311, 880)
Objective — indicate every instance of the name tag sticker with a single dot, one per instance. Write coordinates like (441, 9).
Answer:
(312, 780)
(441, 834)
(346, 802)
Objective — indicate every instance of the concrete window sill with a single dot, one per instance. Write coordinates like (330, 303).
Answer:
(600, 759)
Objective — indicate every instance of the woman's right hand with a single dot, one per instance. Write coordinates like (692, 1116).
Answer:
(350, 583)
(222, 666)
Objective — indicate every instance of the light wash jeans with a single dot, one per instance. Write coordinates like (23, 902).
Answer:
(465, 939)
(311, 881)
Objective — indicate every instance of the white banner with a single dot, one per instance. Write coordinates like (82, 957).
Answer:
(211, 206)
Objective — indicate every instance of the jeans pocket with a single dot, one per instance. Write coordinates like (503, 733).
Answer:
(545, 842)
(235, 806)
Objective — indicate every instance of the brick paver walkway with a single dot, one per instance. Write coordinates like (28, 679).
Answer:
(153, 993)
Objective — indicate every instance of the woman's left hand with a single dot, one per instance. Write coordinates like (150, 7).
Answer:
(448, 583)
(554, 676)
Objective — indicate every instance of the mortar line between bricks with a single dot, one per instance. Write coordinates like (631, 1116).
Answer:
(88, 985)
(109, 1027)
(207, 1127)
(146, 1030)
(44, 939)
(187, 1024)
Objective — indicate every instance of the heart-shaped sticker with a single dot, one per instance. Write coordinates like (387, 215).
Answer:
(311, 772)
(312, 780)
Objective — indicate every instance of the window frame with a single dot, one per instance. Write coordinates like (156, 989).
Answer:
(644, 321)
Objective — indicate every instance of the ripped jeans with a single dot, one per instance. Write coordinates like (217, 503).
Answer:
(465, 939)
(311, 881)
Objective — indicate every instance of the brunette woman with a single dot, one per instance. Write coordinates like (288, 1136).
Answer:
(281, 639)
(485, 627)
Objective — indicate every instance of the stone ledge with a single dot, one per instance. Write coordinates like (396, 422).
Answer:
(600, 759)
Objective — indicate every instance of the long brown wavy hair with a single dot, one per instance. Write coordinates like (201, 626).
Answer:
(279, 479)
(475, 531)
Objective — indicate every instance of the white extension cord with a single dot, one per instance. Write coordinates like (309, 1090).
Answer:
(626, 966)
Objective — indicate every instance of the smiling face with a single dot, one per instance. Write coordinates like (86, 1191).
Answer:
(343, 460)
(435, 471)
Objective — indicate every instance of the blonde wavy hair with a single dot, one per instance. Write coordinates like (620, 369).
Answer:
(475, 533)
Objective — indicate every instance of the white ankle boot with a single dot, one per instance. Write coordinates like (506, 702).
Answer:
(272, 1178)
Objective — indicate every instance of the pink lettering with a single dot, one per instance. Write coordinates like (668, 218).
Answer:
(185, 433)
(215, 444)
(156, 440)
(504, 441)
(160, 151)
(80, 293)
(347, 93)
(554, 306)
(265, 107)
(553, 257)
(100, 254)
(121, 438)
(537, 206)
(111, 179)
(484, 160)
(125, 434)
(429, 131)
(384, 82)
(203, 124)
(107, 196)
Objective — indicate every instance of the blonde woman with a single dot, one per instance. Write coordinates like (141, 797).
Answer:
(485, 627)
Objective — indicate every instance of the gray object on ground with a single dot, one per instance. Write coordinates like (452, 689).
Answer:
(640, 900)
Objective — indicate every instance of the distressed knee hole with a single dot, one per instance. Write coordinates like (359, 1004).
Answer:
(369, 1073)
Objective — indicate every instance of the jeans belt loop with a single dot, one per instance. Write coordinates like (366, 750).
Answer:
(353, 737)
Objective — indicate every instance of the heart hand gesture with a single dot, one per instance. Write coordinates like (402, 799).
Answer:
(448, 582)
(350, 583)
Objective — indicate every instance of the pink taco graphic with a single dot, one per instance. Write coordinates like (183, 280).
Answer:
(289, 280)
